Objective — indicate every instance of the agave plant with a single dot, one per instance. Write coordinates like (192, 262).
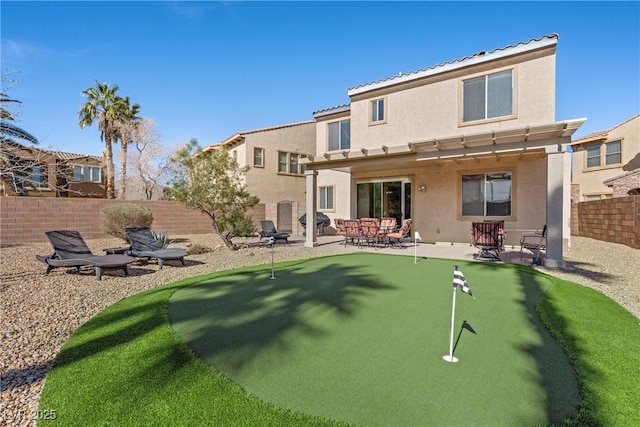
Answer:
(161, 239)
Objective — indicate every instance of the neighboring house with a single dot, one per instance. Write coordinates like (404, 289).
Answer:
(467, 140)
(275, 175)
(30, 171)
(606, 163)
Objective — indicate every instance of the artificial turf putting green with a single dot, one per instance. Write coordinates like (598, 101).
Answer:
(360, 338)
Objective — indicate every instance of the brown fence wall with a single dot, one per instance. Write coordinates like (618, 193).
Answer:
(614, 220)
(25, 219)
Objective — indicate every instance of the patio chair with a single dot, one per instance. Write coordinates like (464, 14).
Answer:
(144, 245)
(535, 242)
(397, 236)
(486, 237)
(352, 232)
(502, 234)
(339, 223)
(369, 231)
(269, 230)
(70, 250)
(387, 225)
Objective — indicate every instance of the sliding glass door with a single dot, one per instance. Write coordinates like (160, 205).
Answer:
(379, 199)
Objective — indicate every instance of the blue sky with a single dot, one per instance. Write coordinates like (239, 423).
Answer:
(207, 70)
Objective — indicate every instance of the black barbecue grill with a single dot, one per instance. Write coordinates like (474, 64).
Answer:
(322, 221)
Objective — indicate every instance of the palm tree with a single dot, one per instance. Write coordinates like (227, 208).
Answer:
(9, 131)
(101, 106)
(127, 121)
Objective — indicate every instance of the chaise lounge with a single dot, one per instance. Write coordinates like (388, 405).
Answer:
(144, 245)
(70, 250)
(269, 230)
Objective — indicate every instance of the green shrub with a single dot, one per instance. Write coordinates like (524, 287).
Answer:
(243, 227)
(116, 217)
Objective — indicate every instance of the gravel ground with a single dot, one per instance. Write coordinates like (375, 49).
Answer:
(40, 312)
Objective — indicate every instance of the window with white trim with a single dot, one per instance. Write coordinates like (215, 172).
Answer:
(486, 194)
(325, 195)
(258, 157)
(340, 135)
(487, 97)
(87, 173)
(377, 111)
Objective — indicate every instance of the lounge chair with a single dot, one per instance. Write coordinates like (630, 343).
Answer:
(397, 236)
(70, 250)
(486, 237)
(535, 242)
(269, 230)
(144, 245)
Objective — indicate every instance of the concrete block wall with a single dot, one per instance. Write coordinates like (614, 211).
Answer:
(25, 219)
(615, 220)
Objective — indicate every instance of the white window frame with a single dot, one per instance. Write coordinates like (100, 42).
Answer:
(341, 145)
(375, 111)
(326, 203)
(486, 118)
(82, 177)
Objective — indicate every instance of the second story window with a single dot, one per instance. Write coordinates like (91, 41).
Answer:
(38, 176)
(87, 173)
(593, 156)
(258, 157)
(487, 96)
(340, 135)
(613, 153)
(377, 111)
(288, 163)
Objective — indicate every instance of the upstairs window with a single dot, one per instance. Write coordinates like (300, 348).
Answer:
(487, 97)
(486, 194)
(377, 111)
(38, 177)
(613, 154)
(87, 173)
(288, 163)
(340, 135)
(593, 156)
(258, 157)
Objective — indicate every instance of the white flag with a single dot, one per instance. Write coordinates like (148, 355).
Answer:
(418, 236)
(460, 282)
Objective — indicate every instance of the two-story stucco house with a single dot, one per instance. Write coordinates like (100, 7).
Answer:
(472, 139)
(606, 161)
(36, 172)
(276, 175)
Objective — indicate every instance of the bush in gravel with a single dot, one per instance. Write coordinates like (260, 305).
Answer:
(197, 248)
(118, 216)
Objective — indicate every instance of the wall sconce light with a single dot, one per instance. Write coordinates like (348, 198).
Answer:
(422, 188)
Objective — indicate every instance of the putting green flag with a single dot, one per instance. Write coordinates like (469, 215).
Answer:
(461, 283)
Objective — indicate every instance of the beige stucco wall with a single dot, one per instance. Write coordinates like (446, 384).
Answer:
(432, 110)
(590, 181)
(266, 182)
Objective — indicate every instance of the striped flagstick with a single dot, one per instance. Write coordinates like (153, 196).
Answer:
(458, 282)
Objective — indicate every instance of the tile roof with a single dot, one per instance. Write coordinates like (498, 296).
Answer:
(63, 155)
(332, 110)
(601, 134)
(476, 58)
